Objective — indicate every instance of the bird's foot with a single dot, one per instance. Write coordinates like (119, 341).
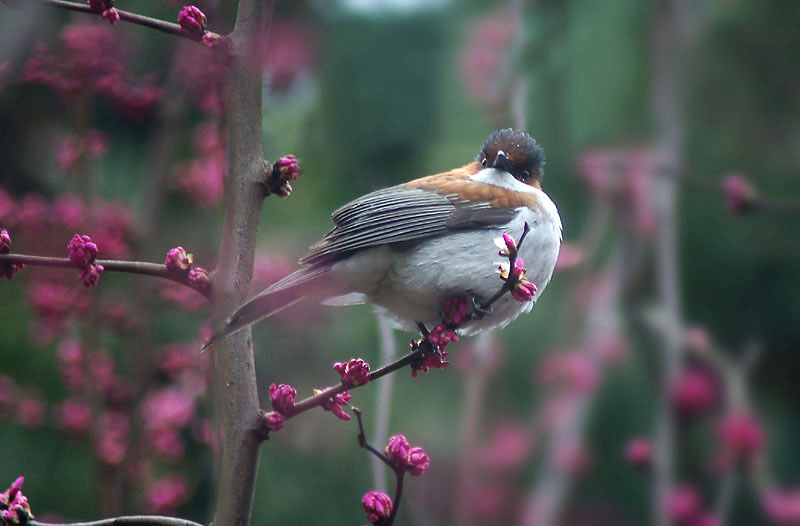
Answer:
(478, 310)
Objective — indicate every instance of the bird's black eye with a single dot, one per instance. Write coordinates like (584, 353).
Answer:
(483, 162)
(526, 175)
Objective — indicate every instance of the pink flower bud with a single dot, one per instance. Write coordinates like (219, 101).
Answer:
(274, 420)
(211, 40)
(398, 450)
(694, 392)
(353, 372)
(454, 311)
(191, 19)
(199, 277)
(335, 403)
(90, 276)
(82, 251)
(110, 15)
(418, 461)
(639, 452)
(282, 397)
(431, 360)
(178, 259)
(524, 290)
(16, 509)
(286, 168)
(441, 336)
(5, 241)
(7, 270)
(377, 506)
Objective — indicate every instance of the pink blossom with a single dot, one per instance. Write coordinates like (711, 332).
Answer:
(572, 370)
(418, 461)
(167, 443)
(509, 447)
(178, 359)
(454, 312)
(286, 168)
(168, 407)
(487, 43)
(167, 494)
(199, 277)
(694, 392)
(282, 397)
(192, 20)
(30, 410)
(377, 506)
(435, 360)
(203, 179)
(212, 40)
(90, 276)
(335, 403)
(353, 372)
(441, 335)
(14, 504)
(569, 256)
(639, 452)
(69, 211)
(274, 420)
(741, 436)
(397, 450)
(7, 270)
(82, 251)
(783, 506)
(67, 154)
(740, 196)
(684, 502)
(290, 50)
(74, 416)
(110, 440)
(32, 212)
(523, 291)
(178, 259)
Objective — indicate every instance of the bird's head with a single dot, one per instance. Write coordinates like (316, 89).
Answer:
(515, 152)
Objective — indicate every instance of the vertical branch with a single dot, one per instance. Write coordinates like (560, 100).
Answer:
(666, 54)
(236, 393)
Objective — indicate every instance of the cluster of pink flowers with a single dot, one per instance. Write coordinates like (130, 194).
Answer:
(83, 252)
(202, 180)
(193, 21)
(487, 43)
(14, 505)
(403, 456)
(639, 452)
(353, 372)
(7, 270)
(71, 150)
(178, 260)
(284, 170)
(741, 437)
(106, 10)
(625, 175)
(573, 371)
(430, 360)
(685, 508)
(282, 397)
(88, 57)
(783, 506)
(335, 403)
(166, 494)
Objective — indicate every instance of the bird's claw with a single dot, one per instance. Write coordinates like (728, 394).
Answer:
(478, 310)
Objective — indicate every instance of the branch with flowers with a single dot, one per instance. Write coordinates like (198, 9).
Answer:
(191, 21)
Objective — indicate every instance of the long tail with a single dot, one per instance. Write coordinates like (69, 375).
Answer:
(308, 281)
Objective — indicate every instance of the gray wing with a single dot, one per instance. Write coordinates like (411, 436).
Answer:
(399, 214)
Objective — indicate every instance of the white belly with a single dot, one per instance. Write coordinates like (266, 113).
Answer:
(410, 283)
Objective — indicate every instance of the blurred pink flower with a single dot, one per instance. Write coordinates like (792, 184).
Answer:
(165, 495)
(510, 445)
(71, 366)
(573, 458)
(741, 436)
(291, 50)
(572, 370)
(203, 179)
(639, 452)
(610, 346)
(69, 211)
(740, 196)
(73, 416)
(168, 407)
(694, 392)
(570, 256)
(183, 296)
(111, 437)
(167, 443)
(486, 44)
(32, 212)
(684, 503)
(30, 409)
(783, 506)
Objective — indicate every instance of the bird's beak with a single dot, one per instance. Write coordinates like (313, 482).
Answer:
(501, 162)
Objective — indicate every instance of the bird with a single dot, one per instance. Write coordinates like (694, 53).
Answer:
(408, 248)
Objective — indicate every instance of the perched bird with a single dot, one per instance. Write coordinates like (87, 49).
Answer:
(408, 248)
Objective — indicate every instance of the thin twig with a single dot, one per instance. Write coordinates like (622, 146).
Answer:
(132, 520)
(111, 265)
(133, 18)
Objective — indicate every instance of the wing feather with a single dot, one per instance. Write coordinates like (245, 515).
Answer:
(399, 214)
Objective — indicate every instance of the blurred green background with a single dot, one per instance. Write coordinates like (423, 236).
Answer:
(369, 94)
